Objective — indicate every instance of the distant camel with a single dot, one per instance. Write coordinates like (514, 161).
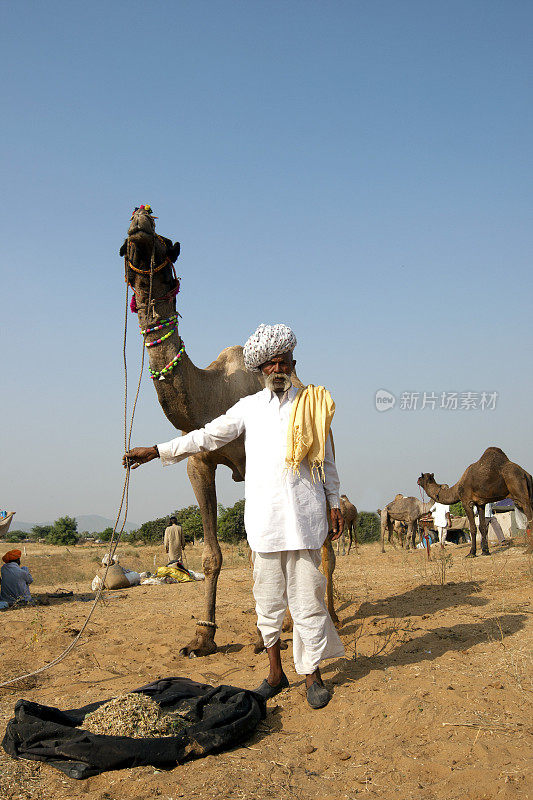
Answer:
(488, 480)
(349, 513)
(402, 509)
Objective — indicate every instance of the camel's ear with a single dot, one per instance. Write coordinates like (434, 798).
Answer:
(174, 251)
(124, 249)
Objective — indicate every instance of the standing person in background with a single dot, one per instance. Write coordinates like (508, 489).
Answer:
(174, 541)
(15, 579)
(441, 519)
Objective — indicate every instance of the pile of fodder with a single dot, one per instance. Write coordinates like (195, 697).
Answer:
(134, 715)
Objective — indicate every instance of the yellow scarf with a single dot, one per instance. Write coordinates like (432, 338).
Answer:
(309, 425)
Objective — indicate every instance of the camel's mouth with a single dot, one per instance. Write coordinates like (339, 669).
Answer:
(142, 221)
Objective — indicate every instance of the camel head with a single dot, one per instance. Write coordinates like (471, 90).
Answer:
(147, 252)
(425, 478)
(143, 220)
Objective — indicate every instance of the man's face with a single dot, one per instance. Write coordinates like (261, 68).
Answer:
(277, 373)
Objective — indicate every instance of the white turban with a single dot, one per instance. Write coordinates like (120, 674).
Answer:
(267, 342)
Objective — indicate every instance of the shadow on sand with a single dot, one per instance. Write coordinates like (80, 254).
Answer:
(425, 599)
(431, 645)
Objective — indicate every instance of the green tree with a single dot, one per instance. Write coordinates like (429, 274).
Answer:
(152, 532)
(231, 523)
(106, 534)
(64, 531)
(16, 536)
(457, 510)
(190, 520)
(41, 531)
(368, 527)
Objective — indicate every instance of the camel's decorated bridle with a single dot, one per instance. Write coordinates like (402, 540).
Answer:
(172, 321)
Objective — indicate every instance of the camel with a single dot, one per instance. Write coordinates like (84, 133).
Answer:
(191, 397)
(488, 480)
(407, 510)
(349, 513)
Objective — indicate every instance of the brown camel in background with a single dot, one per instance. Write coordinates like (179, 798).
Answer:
(407, 510)
(349, 513)
(191, 397)
(488, 480)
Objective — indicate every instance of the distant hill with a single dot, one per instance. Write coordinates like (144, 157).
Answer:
(93, 523)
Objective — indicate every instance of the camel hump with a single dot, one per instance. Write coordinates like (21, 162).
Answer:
(229, 360)
(494, 453)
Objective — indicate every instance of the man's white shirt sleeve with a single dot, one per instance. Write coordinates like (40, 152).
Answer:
(215, 434)
(332, 484)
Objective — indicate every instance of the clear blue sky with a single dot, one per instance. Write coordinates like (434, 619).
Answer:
(359, 170)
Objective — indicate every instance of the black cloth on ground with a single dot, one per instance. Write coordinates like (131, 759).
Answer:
(218, 717)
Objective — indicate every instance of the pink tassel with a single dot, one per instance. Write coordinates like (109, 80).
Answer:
(133, 304)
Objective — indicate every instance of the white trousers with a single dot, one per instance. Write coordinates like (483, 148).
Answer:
(292, 578)
(443, 532)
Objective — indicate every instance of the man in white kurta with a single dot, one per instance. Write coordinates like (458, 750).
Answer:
(174, 541)
(441, 519)
(285, 519)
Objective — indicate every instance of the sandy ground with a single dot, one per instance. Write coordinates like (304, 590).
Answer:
(433, 698)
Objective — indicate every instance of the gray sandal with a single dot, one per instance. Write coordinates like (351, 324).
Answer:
(317, 695)
(267, 691)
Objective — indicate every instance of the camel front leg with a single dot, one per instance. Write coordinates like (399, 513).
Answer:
(483, 529)
(202, 477)
(469, 511)
(411, 535)
(328, 566)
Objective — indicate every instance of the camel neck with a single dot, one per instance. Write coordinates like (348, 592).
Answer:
(443, 494)
(177, 381)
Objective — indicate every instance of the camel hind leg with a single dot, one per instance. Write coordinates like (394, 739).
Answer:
(352, 537)
(328, 566)
(259, 644)
(411, 535)
(520, 486)
(201, 474)
(469, 511)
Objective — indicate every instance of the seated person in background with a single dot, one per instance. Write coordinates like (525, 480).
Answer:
(15, 579)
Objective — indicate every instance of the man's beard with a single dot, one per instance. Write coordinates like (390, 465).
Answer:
(278, 382)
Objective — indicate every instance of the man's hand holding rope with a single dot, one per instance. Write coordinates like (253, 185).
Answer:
(139, 455)
(337, 524)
